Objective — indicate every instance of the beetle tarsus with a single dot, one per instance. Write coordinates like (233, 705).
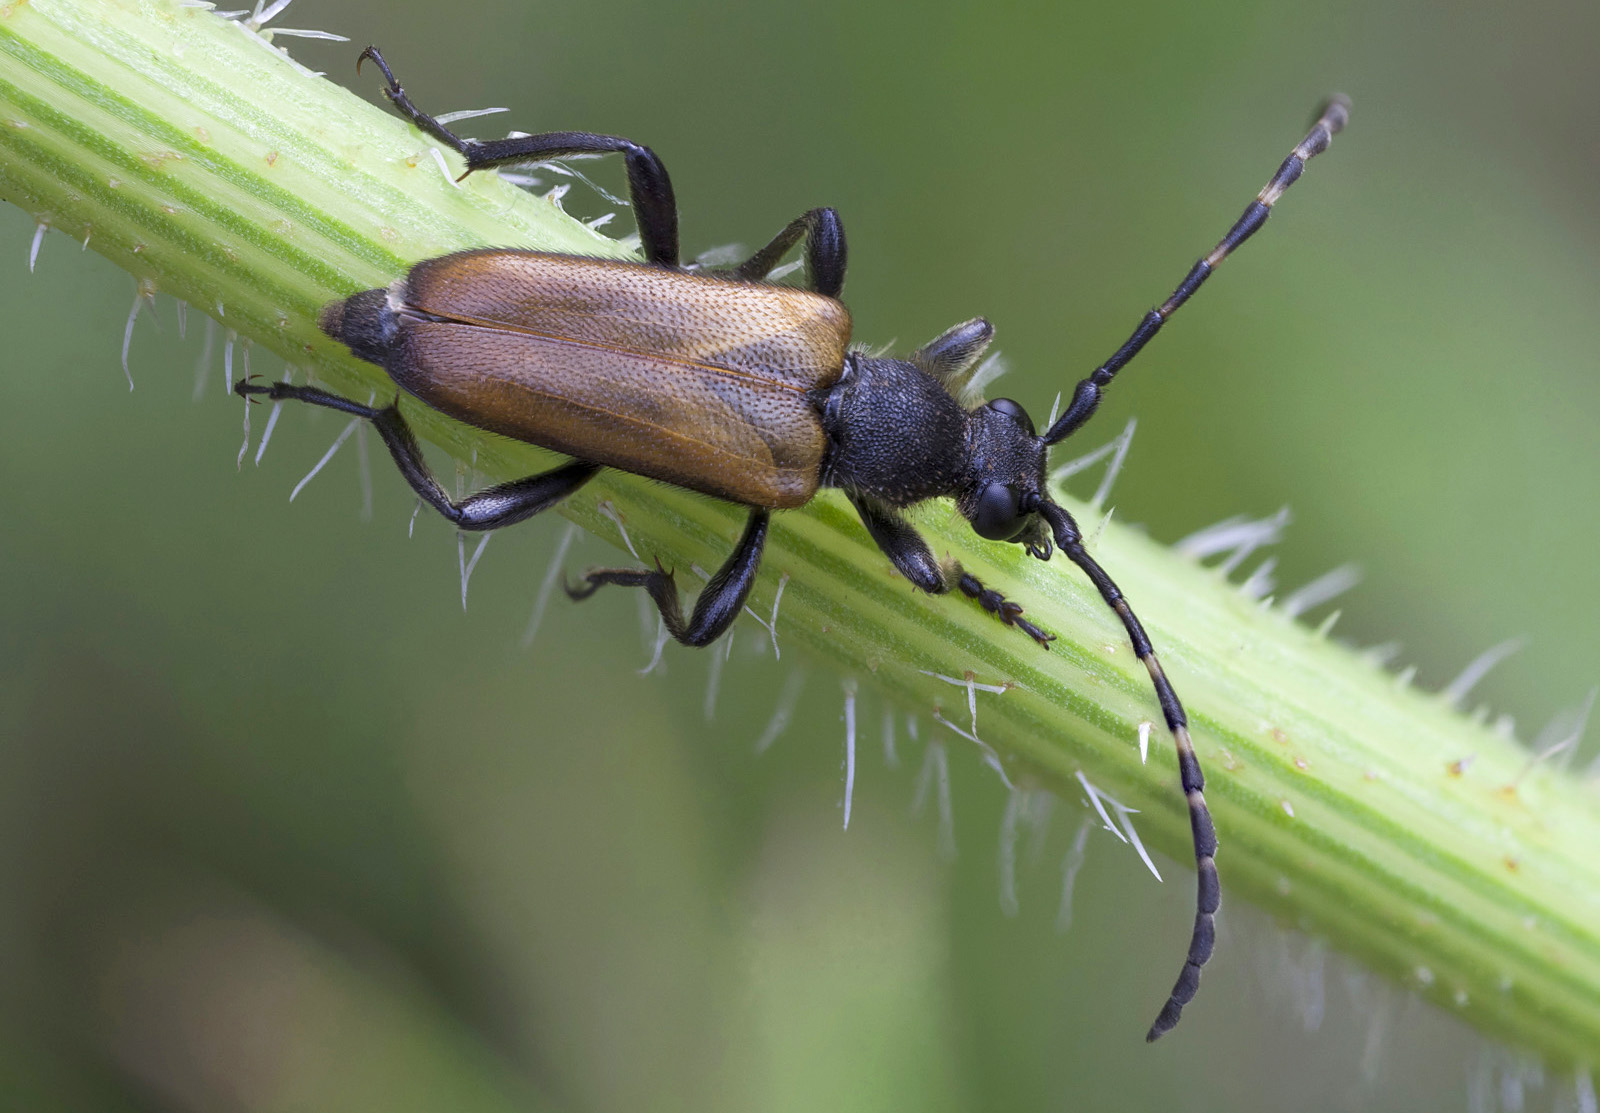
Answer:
(597, 578)
(1006, 610)
(720, 600)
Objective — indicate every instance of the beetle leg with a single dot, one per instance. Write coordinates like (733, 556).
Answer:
(654, 207)
(949, 356)
(903, 545)
(1006, 610)
(720, 600)
(825, 252)
(492, 508)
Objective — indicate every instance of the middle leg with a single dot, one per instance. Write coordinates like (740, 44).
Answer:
(825, 252)
(720, 600)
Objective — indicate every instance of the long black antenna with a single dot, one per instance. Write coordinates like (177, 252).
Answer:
(1086, 397)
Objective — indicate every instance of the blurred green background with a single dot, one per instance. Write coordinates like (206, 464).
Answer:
(285, 829)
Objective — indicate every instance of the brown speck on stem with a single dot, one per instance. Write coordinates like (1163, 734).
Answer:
(1461, 764)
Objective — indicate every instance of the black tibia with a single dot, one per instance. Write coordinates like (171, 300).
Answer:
(720, 601)
(1208, 891)
(1086, 397)
(954, 352)
(903, 545)
(654, 207)
(492, 508)
(825, 252)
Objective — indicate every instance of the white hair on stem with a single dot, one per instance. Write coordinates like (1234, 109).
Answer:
(935, 776)
(849, 747)
(1070, 865)
(1100, 799)
(608, 510)
(1260, 581)
(1238, 536)
(146, 292)
(548, 584)
(39, 230)
(229, 338)
(202, 367)
(465, 565)
(718, 655)
(1454, 694)
(1326, 587)
(344, 435)
(1559, 738)
(788, 700)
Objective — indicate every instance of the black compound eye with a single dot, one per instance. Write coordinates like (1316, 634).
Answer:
(1014, 411)
(996, 516)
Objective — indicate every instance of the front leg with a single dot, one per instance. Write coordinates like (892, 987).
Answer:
(825, 252)
(903, 545)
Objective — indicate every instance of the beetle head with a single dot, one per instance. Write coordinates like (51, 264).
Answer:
(1005, 483)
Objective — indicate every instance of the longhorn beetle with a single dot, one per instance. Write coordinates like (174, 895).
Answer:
(723, 383)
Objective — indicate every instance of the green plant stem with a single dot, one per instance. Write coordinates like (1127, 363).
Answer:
(202, 159)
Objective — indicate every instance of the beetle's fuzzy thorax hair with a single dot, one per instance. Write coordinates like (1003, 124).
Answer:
(895, 434)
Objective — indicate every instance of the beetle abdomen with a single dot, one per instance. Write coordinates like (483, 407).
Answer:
(697, 381)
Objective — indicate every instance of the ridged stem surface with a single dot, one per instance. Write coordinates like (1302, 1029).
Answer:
(190, 151)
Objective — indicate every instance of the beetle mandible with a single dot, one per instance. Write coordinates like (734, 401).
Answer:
(726, 384)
